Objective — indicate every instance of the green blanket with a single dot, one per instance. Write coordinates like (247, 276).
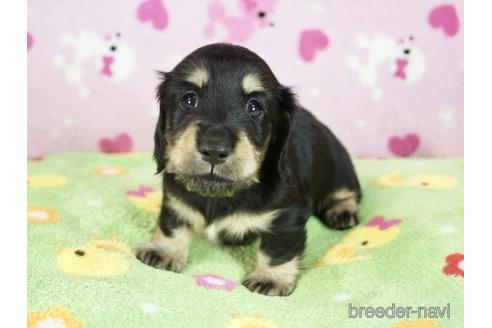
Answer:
(87, 213)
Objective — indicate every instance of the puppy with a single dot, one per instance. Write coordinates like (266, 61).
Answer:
(240, 160)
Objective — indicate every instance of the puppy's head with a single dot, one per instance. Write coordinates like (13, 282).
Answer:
(223, 115)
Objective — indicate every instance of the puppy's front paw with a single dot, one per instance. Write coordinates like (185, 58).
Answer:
(341, 220)
(157, 258)
(268, 286)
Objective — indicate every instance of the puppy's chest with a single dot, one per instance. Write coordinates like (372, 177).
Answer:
(232, 226)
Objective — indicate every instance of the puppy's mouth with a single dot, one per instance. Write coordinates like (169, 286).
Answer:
(212, 185)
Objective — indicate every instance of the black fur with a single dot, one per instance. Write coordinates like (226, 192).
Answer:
(303, 163)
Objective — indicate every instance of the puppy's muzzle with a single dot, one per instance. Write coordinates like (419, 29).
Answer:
(214, 144)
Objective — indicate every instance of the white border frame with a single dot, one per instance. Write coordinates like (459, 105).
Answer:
(13, 141)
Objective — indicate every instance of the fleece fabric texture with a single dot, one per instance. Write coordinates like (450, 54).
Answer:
(87, 213)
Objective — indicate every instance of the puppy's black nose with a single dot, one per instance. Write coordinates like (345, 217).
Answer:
(214, 142)
(214, 153)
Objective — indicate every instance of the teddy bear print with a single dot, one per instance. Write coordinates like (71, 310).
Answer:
(88, 53)
(253, 14)
(97, 258)
(398, 58)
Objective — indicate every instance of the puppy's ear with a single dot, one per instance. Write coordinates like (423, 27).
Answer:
(287, 110)
(159, 140)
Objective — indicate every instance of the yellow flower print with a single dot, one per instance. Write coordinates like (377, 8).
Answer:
(46, 180)
(97, 258)
(57, 316)
(39, 215)
(257, 321)
(109, 170)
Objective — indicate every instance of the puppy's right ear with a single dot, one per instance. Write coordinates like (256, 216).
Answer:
(159, 140)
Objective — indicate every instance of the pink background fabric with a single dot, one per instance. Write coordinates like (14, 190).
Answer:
(345, 59)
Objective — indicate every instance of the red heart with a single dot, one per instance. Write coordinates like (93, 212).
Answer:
(311, 42)
(153, 11)
(122, 143)
(404, 146)
(445, 17)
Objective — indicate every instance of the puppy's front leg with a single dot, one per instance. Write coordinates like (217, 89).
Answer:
(168, 248)
(278, 258)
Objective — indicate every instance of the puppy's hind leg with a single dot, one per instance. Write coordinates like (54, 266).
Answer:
(342, 211)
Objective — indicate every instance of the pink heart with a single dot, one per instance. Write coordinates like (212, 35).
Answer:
(404, 146)
(311, 42)
(30, 41)
(445, 17)
(121, 144)
(153, 11)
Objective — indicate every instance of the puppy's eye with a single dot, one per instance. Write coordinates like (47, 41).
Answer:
(254, 108)
(189, 100)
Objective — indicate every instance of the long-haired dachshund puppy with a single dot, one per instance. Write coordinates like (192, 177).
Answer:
(240, 160)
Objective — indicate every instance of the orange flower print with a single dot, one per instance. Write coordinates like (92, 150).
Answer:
(39, 215)
(57, 316)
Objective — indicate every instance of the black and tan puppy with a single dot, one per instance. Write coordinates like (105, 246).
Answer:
(241, 159)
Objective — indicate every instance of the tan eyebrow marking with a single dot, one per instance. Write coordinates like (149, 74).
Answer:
(251, 83)
(198, 76)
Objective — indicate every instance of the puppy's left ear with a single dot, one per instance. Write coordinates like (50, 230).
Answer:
(159, 140)
(287, 110)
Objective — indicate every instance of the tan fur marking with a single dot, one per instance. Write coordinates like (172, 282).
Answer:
(183, 157)
(176, 246)
(343, 194)
(186, 213)
(283, 276)
(172, 250)
(198, 76)
(348, 204)
(182, 148)
(285, 272)
(247, 158)
(238, 224)
(252, 83)
(344, 200)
